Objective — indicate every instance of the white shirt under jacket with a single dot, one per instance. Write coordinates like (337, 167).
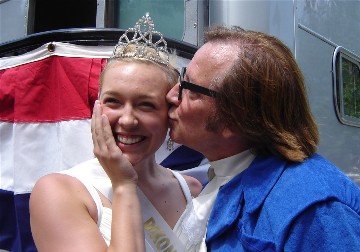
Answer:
(224, 170)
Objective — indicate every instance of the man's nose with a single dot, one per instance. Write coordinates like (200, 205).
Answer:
(173, 94)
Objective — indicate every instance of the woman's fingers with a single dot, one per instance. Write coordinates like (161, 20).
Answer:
(101, 133)
(111, 158)
(97, 131)
(93, 135)
(108, 136)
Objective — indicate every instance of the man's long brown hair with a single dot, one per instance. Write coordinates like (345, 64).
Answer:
(263, 95)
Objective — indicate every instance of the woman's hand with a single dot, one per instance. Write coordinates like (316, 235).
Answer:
(127, 232)
(115, 164)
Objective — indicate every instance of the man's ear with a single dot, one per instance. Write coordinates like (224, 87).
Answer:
(227, 133)
(236, 138)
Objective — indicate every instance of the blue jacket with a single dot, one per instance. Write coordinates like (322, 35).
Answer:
(275, 205)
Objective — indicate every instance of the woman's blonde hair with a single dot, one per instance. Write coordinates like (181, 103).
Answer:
(171, 73)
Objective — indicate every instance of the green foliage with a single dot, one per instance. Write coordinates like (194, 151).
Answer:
(351, 88)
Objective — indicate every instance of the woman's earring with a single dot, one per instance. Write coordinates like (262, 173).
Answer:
(170, 144)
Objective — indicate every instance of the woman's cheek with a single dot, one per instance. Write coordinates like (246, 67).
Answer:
(111, 114)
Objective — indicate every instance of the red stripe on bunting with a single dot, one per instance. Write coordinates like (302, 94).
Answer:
(50, 90)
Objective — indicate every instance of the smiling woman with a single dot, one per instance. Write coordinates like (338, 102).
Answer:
(132, 191)
(133, 99)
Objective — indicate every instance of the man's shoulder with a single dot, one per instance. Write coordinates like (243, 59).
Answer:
(317, 176)
(306, 184)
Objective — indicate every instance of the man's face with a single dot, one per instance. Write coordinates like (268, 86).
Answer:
(191, 117)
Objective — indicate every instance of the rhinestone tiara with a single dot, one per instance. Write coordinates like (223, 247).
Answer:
(142, 40)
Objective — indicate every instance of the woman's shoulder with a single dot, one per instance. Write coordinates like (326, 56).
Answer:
(61, 209)
(56, 183)
(194, 185)
(63, 191)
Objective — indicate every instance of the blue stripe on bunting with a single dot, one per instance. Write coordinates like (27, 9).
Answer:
(15, 231)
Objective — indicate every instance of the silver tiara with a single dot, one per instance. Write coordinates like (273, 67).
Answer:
(142, 39)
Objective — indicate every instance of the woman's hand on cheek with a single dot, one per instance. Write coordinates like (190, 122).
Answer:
(115, 164)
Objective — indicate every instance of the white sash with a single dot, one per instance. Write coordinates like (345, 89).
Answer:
(158, 234)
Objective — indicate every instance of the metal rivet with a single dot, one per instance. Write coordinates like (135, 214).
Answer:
(51, 47)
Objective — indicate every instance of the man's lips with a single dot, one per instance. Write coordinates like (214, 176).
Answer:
(171, 116)
(171, 121)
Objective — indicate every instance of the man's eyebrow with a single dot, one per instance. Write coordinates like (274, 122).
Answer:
(186, 76)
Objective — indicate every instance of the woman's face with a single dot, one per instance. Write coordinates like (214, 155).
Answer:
(133, 98)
